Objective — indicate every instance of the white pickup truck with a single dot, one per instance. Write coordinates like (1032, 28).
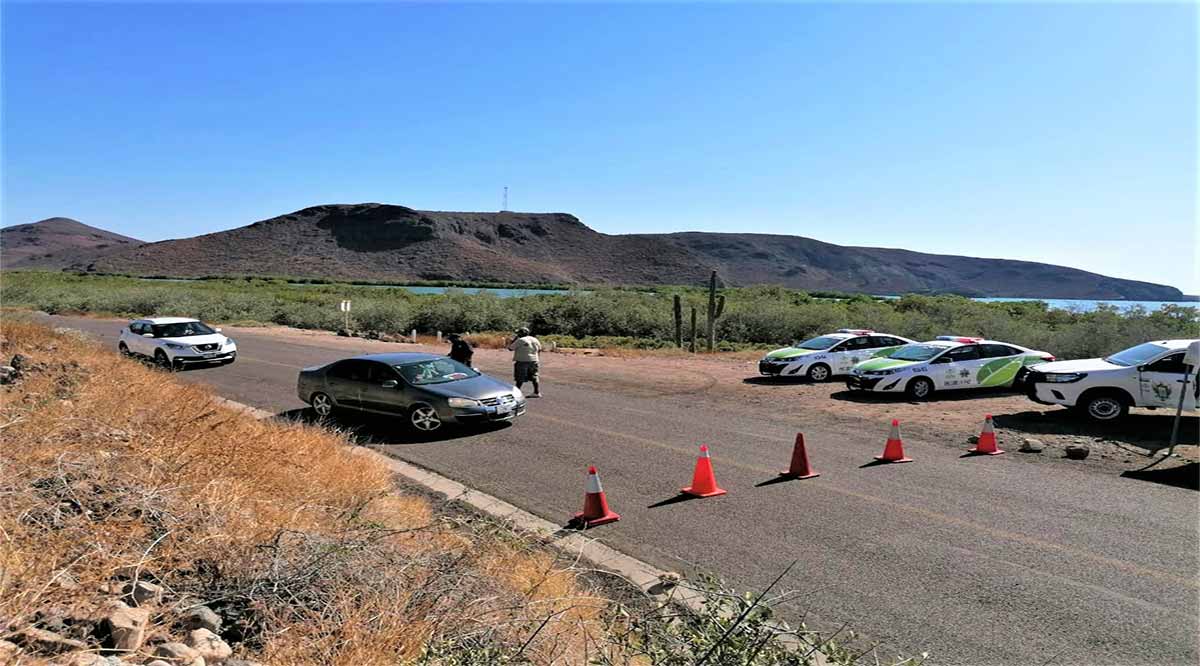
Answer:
(1149, 375)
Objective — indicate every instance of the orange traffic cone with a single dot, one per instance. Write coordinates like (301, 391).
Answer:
(799, 469)
(595, 507)
(987, 440)
(704, 483)
(893, 451)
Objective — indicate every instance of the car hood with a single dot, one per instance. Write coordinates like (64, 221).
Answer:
(789, 352)
(197, 339)
(475, 388)
(883, 363)
(1080, 365)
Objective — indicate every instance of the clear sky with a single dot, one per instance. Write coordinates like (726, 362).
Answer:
(1063, 133)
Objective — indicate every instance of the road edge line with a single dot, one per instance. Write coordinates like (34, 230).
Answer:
(645, 576)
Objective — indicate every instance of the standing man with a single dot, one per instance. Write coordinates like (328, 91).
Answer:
(525, 350)
(460, 350)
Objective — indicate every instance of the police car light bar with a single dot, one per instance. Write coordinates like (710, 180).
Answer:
(957, 338)
(856, 331)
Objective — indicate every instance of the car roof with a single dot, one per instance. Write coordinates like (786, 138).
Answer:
(168, 320)
(399, 358)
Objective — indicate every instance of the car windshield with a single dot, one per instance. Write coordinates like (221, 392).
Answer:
(823, 342)
(182, 329)
(436, 371)
(916, 352)
(1136, 355)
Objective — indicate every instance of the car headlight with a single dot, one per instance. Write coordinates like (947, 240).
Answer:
(172, 345)
(463, 402)
(1063, 377)
(517, 395)
(229, 342)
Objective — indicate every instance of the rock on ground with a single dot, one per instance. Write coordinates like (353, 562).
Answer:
(209, 645)
(126, 626)
(202, 617)
(178, 654)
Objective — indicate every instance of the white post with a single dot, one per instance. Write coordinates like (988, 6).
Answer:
(439, 337)
(414, 336)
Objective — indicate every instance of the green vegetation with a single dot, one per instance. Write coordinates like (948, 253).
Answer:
(753, 317)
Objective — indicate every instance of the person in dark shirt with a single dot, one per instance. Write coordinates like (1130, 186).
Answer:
(460, 350)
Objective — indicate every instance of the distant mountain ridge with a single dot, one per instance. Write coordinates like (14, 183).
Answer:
(383, 242)
(57, 242)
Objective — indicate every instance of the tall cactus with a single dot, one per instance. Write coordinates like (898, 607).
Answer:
(678, 322)
(692, 344)
(716, 307)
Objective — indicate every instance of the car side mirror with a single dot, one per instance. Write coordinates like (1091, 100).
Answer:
(390, 383)
(217, 330)
(941, 359)
(1143, 368)
(147, 335)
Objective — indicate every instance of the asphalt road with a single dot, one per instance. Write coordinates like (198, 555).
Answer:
(982, 560)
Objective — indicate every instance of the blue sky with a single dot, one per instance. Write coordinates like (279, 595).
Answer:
(1063, 133)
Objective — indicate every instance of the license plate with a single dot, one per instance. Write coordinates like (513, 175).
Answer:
(503, 409)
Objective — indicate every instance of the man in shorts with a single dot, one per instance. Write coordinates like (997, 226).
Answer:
(525, 350)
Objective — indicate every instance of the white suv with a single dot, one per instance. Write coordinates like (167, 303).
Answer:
(1148, 375)
(173, 342)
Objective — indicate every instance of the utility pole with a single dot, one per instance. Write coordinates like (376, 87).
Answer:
(504, 206)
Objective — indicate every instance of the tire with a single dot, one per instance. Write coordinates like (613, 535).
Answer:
(919, 388)
(123, 349)
(322, 405)
(424, 418)
(1105, 407)
(818, 373)
(162, 361)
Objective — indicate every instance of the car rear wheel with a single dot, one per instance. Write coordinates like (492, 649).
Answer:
(123, 349)
(322, 405)
(1105, 407)
(818, 372)
(424, 418)
(919, 388)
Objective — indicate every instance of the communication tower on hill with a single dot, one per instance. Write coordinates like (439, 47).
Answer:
(504, 204)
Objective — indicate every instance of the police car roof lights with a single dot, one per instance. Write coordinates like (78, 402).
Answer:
(856, 331)
(958, 338)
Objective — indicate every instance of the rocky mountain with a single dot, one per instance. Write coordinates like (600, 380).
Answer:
(57, 242)
(393, 243)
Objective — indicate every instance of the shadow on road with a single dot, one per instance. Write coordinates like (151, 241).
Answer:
(681, 497)
(370, 429)
(1145, 431)
(870, 397)
(1181, 476)
(776, 380)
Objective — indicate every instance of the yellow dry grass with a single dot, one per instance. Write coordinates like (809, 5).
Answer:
(112, 471)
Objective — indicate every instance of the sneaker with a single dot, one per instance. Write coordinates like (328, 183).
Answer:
(536, 395)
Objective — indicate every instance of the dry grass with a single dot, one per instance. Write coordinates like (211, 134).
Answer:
(113, 472)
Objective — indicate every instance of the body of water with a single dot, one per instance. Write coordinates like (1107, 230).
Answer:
(1088, 306)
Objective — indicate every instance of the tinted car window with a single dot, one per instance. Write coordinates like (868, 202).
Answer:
(181, 330)
(352, 370)
(377, 373)
(884, 341)
(966, 353)
(1172, 363)
(436, 371)
(137, 328)
(997, 351)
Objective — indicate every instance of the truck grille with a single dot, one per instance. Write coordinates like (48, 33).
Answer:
(500, 400)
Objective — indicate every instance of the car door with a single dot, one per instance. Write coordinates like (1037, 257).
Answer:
(1160, 383)
(137, 342)
(346, 381)
(1000, 366)
(851, 353)
(383, 390)
(956, 368)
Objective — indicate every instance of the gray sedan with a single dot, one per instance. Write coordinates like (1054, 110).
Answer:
(425, 389)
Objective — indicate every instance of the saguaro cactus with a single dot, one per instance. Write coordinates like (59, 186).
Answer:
(678, 322)
(692, 344)
(716, 306)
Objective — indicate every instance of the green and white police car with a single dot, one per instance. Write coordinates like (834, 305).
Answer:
(948, 362)
(822, 357)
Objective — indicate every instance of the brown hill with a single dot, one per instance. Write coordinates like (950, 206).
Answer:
(57, 242)
(394, 243)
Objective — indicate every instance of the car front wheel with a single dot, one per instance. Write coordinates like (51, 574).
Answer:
(819, 373)
(1105, 408)
(424, 418)
(919, 388)
(161, 360)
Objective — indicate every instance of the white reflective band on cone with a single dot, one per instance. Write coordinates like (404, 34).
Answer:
(593, 483)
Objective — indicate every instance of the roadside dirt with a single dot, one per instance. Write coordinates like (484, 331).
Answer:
(731, 381)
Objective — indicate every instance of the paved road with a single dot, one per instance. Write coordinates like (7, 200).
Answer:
(976, 560)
